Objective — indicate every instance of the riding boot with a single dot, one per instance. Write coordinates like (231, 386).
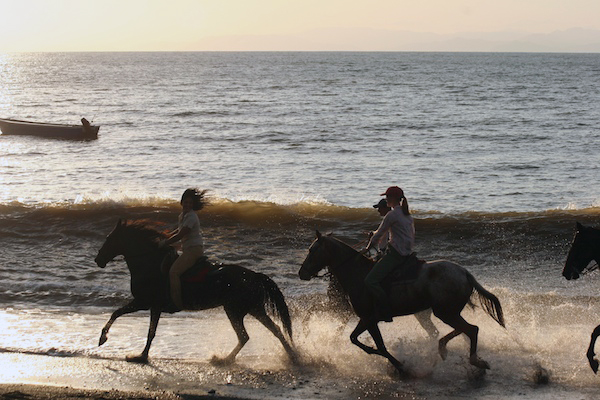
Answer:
(169, 305)
(171, 308)
(382, 310)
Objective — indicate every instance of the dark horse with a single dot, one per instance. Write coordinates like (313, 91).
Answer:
(239, 290)
(443, 286)
(584, 249)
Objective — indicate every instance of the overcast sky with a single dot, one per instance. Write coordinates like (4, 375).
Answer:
(164, 25)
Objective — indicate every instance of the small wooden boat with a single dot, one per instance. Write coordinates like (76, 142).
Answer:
(77, 132)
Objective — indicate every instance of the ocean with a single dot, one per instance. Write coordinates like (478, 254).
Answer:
(497, 155)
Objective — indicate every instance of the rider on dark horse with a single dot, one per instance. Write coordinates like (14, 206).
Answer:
(382, 208)
(192, 244)
(399, 224)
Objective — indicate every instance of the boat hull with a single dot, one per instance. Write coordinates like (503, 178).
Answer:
(78, 132)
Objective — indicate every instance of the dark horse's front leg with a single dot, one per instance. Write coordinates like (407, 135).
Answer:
(590, 353)
(375, 333)
(132, 307)
(154, 317)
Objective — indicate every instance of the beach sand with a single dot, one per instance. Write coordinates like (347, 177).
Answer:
(33, 376)
(21, 391)
(63, 376)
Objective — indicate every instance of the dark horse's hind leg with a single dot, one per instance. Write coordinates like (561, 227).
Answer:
(133, 306)
(375, 333)
(236, 317)
(154, 317)
(444, 341)
(263, 318)
(590, 353)
(462, 326)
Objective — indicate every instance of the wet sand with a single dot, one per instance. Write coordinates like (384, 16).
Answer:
(61, 376)
(31, 376)
(34, 392)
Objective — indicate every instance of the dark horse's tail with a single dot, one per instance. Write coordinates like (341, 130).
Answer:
(489, 302)
(275, 303)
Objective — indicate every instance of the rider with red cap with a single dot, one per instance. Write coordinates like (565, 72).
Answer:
(399, 224)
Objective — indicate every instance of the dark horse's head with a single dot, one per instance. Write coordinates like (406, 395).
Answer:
(133, 238)
(315, 261)
(321, 254)
(585, 248)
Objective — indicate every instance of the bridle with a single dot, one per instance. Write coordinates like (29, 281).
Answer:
(328, 274)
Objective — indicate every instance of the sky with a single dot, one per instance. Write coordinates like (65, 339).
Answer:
(195, 25)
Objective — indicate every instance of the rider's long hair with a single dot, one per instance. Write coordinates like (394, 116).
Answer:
(405, 209)
(198, 197)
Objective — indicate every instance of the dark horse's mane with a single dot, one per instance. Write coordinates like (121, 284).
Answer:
(146, 229)
(344, 244)
(364, 258)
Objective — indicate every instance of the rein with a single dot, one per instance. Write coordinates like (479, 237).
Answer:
(345, 260)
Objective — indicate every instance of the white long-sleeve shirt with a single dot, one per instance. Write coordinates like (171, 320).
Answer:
(401, 229)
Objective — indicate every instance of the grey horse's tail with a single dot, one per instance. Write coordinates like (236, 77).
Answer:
(275, 303)
(489, 302)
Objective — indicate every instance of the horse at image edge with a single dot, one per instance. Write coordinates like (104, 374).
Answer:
(584, 248)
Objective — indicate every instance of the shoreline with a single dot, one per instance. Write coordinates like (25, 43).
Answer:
(33, 391)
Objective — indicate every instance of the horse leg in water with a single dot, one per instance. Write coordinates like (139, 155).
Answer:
(462, 326)
(236, 317)
(376, 335)
(154, 317)
(264, 319)
(424, 318)
(444, 341)
(590, 352)
(132, 307)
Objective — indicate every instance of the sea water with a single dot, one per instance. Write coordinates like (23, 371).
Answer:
(496, 154)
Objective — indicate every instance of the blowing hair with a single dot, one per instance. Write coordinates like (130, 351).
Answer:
(198, 197)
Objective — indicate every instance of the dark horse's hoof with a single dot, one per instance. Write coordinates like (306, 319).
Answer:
(137, 359)
(594, 364)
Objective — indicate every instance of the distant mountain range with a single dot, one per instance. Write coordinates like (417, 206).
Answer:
(576, 40)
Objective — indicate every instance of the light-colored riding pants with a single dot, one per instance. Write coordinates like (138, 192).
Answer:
(187, 258)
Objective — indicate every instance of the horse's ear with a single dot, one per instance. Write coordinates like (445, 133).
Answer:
(318, 235)
(121, 222)
(578, 226)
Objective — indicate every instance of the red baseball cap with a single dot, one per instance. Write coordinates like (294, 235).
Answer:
(394, 191)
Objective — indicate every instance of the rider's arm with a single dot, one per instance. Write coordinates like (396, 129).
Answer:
(181, 233)
(378, 234)
(175, 236)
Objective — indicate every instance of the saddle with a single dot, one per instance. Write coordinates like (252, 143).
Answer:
(407, 271)
(197, 273)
